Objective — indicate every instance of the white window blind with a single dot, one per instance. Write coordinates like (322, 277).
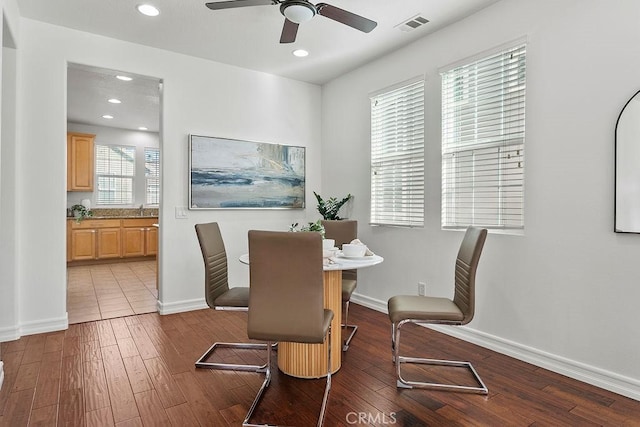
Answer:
(115, 169)
(483, 134)
(152, 175)
(397, 156)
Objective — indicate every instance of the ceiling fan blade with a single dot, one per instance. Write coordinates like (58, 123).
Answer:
(217, 5)
(289, 32)
(351, 19)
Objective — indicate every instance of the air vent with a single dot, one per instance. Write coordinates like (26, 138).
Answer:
(412, 23)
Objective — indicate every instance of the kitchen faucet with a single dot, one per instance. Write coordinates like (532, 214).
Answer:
(141, 209)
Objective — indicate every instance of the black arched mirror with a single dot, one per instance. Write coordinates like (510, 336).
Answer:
(627, 200)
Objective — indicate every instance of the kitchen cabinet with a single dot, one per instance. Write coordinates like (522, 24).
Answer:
(112, 238)
(139, 237)
(83, 245)
(80, 161)
(92, 239)
(152, 240)
(133, 241)
(108, 244)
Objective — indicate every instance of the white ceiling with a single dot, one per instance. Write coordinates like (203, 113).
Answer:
(90, 88)
(248, 37)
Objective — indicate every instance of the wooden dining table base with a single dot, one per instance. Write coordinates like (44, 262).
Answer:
(310, 360)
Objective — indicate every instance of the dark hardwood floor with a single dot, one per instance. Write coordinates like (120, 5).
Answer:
(139, 370)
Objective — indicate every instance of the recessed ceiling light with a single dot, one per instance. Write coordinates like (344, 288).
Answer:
(300, 53)
(124, 78)
(114, 101)
(143, 128)
(147, 9)
(107, 116)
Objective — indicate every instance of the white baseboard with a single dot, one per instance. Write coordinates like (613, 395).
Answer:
(180, 306)
(30, 328)
(9, 334)
(47, 325)
(35, 327)
(598, 377)
(374, 304)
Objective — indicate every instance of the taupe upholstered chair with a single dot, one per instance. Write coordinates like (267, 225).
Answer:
(457, 311)
(219, 296)
(342, 232)
(287, 293)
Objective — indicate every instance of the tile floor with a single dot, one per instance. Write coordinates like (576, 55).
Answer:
(105, 291)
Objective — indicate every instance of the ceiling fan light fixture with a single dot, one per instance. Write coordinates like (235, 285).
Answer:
(298, 11)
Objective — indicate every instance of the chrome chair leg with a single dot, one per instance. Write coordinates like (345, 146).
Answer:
(403, 383)
(346, 325)
(200, 363)
(263, 388)
(327, 387)
(393, 343)
(267, 381)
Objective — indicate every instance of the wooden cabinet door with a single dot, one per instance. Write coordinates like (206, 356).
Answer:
(80, 162)
(108, 243)
(133, 241)
(151, 241)
(83, 244)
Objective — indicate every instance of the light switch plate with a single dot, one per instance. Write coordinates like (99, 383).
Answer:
(181, 212)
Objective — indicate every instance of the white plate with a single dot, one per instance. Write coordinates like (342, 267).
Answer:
(341, 255)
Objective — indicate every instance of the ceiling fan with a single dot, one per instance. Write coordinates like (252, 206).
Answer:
(299, 11)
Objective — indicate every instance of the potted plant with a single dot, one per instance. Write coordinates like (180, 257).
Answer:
(80, 212)
(329, 208)
(312, 226)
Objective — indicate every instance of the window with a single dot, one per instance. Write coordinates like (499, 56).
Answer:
(397, 155)
(483, 124)
(115, 169)
(152, 175)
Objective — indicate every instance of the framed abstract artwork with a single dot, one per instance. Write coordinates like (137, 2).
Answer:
(236, 174)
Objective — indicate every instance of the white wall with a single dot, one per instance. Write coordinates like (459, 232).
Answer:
(8, 176)
(8, 172)
(200, 97)
(114, 136)
(565, 294)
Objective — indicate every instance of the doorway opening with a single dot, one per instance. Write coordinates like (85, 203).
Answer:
(113, 193)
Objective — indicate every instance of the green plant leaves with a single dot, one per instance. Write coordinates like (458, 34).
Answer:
(329, 208)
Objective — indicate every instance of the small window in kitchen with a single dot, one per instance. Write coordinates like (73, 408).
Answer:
(152, 175)
(115, 171)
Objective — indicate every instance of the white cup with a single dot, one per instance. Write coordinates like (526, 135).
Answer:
(328, 244)
(328, 253)
(350, 250)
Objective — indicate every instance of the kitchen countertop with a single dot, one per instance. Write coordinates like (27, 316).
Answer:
(124, 213)
(118, 217)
